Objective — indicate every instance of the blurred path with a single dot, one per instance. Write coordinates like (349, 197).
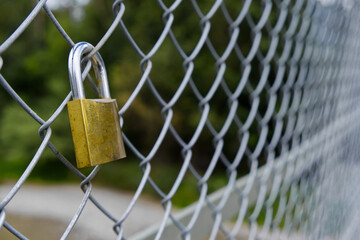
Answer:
(38, 208)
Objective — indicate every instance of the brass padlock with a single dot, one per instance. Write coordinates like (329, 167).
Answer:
(94, 123)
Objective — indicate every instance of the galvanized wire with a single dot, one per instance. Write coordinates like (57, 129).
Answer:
(307, 77)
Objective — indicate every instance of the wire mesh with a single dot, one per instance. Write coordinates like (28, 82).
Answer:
(284, 84)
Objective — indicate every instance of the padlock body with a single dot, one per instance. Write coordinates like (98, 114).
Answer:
(96, 131)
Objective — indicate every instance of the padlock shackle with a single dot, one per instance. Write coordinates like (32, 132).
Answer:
(76, 83)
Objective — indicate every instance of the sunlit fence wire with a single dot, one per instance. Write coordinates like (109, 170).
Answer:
(288, 102)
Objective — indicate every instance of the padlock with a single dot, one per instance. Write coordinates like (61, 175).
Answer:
(94, 123)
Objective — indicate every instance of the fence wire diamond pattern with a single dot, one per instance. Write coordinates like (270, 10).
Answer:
(289, 110)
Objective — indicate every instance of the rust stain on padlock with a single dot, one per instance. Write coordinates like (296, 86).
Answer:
(96, 131)
(99, 82)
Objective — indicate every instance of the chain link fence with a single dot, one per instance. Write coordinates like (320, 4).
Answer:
(276, 110)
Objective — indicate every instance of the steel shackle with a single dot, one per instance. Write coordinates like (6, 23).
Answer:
(76, 83)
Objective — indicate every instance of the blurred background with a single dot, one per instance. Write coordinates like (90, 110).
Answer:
(36, 67)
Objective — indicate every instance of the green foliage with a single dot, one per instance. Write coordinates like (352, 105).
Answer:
(17, 134)
(36, 67)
